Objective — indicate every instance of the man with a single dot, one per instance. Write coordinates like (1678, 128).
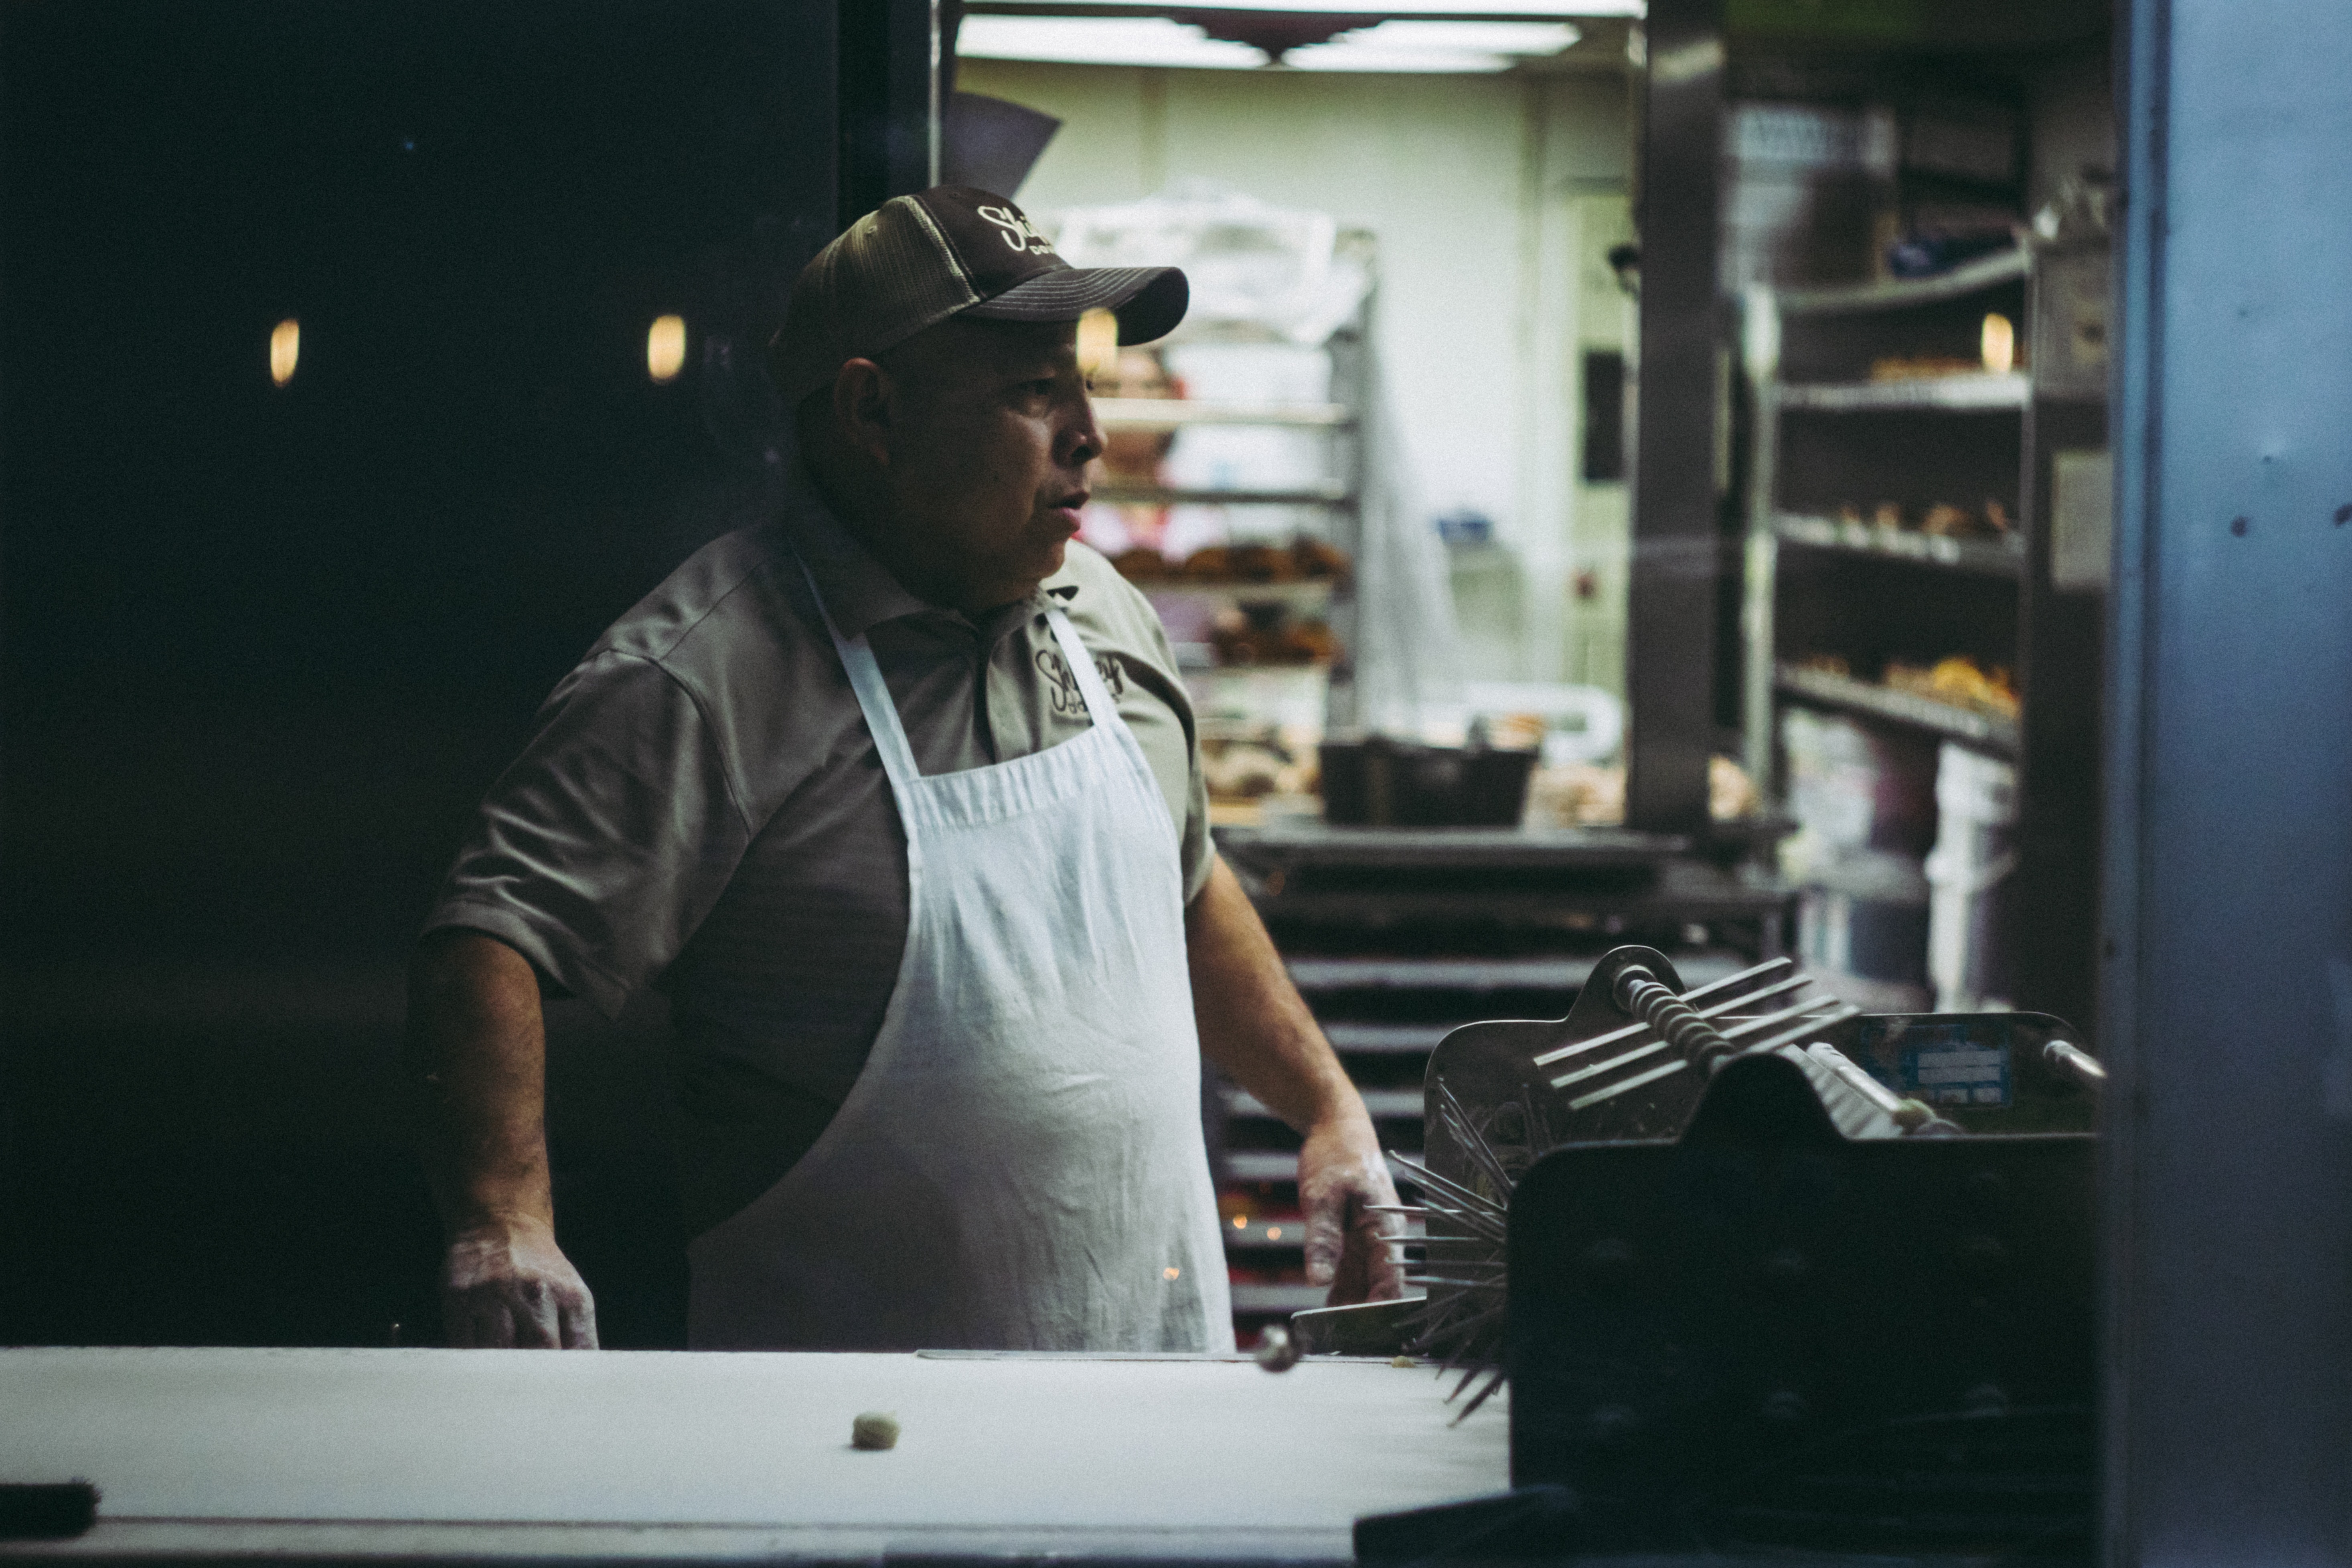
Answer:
(897, 797)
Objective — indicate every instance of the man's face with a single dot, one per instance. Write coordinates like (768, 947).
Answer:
(988, 438)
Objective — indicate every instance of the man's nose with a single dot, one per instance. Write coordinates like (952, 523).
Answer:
(1081, 437)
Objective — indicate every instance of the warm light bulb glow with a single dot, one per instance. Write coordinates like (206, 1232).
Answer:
(1241, 1222)
(1171, 1273)
(666, 348)
(285, 349)
(2000, 344)
(1097, 341)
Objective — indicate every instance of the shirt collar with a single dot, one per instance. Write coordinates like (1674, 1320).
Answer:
(859, 592)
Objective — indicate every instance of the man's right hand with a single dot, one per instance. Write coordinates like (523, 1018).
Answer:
(507, 1286)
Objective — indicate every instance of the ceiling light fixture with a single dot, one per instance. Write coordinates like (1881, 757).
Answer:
(1565, 10)
(665, 349)
(1421, 46)
(1417, 46)
(1101, 41)
(285, 350)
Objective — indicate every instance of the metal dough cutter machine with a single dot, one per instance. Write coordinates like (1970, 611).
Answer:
(1762, 1270)
(1631, 1063)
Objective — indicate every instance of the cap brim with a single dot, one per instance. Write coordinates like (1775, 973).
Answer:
(1148, 300)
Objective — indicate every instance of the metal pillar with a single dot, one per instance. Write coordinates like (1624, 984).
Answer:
(889, 105)
(2226, 988)
(1671, 611)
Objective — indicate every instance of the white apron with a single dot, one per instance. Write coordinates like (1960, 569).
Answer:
(1020, 1165)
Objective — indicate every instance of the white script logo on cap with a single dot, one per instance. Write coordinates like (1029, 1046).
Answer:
(1018, 234)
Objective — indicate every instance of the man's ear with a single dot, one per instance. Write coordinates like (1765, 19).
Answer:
(862, 396)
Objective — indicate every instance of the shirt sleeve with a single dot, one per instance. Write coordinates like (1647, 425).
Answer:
(1158, 672)
(598, 853)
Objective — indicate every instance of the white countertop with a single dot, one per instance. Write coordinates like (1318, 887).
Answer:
(423, 1453)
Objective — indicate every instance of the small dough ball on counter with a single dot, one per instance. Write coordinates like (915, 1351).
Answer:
(874, 1430)
(1276, 1350)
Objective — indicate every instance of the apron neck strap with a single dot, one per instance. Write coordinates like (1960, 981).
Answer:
(872, 694)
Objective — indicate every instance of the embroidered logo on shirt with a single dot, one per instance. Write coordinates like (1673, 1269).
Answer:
(1069, 700)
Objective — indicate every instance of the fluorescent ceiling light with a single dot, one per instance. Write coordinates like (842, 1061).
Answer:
(1561, 8)
(1342, 56)
(1100, 41)
(1461, 48)
(1479, 38)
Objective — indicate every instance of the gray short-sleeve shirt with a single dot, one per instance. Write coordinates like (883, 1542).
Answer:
(702, 811)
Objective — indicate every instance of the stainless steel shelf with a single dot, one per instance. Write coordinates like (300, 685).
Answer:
(1469, 849)
(1988, 731)
(1281, 1165)
(1900, 293)
(1325, 974)
(1989, 557)
(1314, 974)
(1332, 493)
(1379, 1102)
(1980, 394)
(1385, 1039)
(1278, 1300)
(1256, 1235)
(1311, 595)
(1162, 414)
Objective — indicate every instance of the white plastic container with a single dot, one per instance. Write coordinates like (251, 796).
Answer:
(1976, 822)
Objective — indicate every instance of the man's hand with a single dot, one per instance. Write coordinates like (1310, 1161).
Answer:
(509, 1286)
(1341, 1177)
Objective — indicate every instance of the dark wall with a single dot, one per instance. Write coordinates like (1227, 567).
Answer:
(262, 647)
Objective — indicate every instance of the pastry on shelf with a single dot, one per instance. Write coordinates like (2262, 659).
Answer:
(1923, 367)
(1315, 559)
(1959, 681)
(1304, 560)
(1260, 563)
(1143, 566)
(1213, 564)
(1241, 638)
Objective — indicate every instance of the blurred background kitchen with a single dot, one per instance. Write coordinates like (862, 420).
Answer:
(1601, 494)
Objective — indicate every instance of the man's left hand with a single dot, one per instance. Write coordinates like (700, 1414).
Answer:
(1341, 1178)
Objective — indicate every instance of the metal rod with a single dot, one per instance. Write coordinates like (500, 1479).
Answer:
(1766, 1020)
(1909, 1114)
(1597, 1069)
(1544, 1059)
(1791, 1036)
(1473, 1143)
(1712, 987)
(1855, 1078)
(1428, 1177)
(1636, 1081)
(2077, 1064)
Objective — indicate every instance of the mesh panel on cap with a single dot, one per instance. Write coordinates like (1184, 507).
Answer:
(889, 276)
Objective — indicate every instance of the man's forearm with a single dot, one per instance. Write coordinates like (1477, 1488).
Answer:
(478, 1065)
(477, 1056)
(1253, 1023)
(1255, 1026)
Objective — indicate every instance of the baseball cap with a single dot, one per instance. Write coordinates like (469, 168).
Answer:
(950, 251)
